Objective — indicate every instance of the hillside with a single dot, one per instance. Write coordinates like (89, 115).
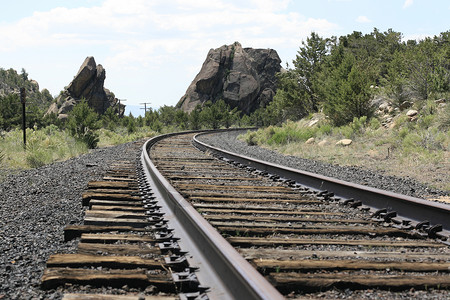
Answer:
(414, 143)
(11, 82)
(10, 107)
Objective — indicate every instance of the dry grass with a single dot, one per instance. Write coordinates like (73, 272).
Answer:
(51, 144)
(408, 149)
(363, 152)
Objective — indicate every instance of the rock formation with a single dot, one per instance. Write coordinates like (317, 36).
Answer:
(87, 84)
(242, 77)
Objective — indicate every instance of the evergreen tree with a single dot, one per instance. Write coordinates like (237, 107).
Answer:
(347, 90)
(83, 123)
(308, 64)
(10, 112)
(194, 118)
(211, 116)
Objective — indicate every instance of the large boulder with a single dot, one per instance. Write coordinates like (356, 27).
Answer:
(87, 84)
(242, 77)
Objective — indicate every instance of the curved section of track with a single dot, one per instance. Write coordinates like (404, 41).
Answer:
(225, 274)
(300, 239)
(433, 218)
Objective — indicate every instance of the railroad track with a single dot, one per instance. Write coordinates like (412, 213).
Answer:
(124, 248)
(273, 237)
(301, 239)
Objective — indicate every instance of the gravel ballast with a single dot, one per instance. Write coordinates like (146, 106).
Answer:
(406, 186)
(36, 205)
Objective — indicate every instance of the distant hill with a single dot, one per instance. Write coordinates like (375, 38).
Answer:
(11, 82)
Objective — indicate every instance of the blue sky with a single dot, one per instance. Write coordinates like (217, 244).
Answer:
(152, 49)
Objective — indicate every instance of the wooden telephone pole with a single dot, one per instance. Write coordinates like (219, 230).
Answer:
(145, 107)
(23, 100)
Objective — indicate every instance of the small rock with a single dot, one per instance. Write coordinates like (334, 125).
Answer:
(384, 107)
(344, 142)
(405, 105)
(322, 143)
(442, 100)
(310, 141)
(312, 123)
(412, 113)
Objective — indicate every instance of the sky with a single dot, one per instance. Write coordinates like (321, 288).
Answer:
(152, 49)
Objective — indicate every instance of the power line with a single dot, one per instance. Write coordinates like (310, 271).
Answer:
(145, 106)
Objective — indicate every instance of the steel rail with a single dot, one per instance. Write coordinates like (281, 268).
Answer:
(415, 209)
(225, 273)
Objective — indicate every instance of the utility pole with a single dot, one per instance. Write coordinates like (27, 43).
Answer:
(23, 95)
(145, 107)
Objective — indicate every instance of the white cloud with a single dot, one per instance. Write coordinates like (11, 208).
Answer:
(125, 36)
(408, 3)
(363, 19)
(120, 21)
(271, 5)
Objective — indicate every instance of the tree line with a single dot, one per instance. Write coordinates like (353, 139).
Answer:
(10, 106)
(338, 76)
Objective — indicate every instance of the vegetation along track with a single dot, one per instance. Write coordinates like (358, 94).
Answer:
(300, 239)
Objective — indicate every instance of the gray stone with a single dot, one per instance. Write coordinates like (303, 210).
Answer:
(53, 109)
(63, 117)
(310, 141)
(405, 105)
(344, 142)
(87, 84)
(411, 113)
(85, 75)
(242, 77)
(384, 107)
(313, 122)
(322, 143)
(67, 106)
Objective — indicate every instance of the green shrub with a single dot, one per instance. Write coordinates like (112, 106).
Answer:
(131, 127)
(51, 129)
(324, 129)
(426, 121)
(251, 138)
(402, 133)
(346, 131)
(411, 141)
(38, 157)
(82, 124)
(429, 108)
(374, 123)
(443, 120)
(433, 139)
(403, 120)
(90, 139)
(358, 124)
(280, 137)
